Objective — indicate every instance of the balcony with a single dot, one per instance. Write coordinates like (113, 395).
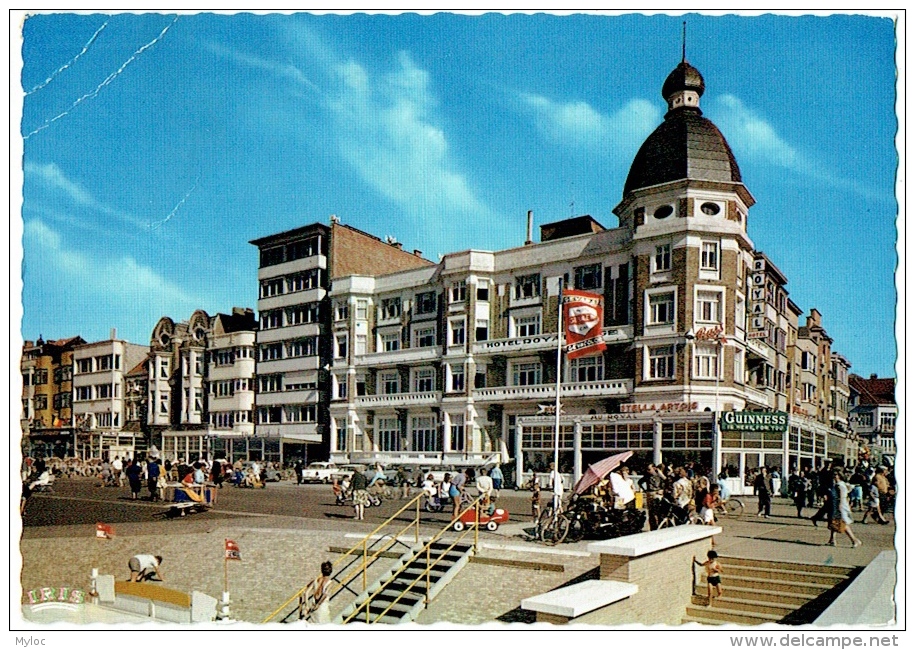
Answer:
(759, 348)
(607, 388)
(408, 355)
(756, 397)
(399, 399)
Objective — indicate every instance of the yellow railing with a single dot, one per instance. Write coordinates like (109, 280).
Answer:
(367, 560)
(425, 575)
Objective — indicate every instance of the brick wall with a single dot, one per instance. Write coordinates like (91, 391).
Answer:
(357, 253)
(665, 581)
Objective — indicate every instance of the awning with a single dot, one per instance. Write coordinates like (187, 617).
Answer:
(300, 438)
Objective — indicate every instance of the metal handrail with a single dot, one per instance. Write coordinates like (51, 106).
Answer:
(363, 545)
(475, 505)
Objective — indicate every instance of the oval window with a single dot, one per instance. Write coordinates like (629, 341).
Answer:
(663, 212)
(710, 208)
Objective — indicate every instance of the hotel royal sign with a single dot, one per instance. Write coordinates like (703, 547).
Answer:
(771, 421)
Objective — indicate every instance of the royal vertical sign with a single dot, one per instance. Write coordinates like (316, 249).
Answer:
(583, 315)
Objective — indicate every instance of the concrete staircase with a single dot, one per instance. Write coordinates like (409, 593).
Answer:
(766, 591)
(370, 606)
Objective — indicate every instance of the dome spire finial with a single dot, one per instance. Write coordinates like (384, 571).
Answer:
(684, 42)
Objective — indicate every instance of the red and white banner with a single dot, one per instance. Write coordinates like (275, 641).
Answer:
(232, 552)
(583, 315)
(104, 531)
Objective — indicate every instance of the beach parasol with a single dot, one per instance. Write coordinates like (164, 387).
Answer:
(599, 470)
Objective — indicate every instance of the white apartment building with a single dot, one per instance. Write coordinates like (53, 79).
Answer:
(99, 397)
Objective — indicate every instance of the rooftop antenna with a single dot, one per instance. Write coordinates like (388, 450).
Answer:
(684, 41)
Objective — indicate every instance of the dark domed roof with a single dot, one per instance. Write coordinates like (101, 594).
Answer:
(683, 77)
(686, 145)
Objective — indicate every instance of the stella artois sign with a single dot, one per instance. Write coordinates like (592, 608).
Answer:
(583, 315)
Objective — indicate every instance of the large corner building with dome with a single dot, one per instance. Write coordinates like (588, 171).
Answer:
(455, 363)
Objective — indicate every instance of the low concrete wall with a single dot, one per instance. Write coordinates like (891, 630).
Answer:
(869, 599)
(660, 563)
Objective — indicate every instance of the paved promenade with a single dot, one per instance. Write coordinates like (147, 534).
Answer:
(280, 554)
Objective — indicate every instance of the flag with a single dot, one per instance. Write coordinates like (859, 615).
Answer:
(104, 531)
(232, 552)
(583, 315)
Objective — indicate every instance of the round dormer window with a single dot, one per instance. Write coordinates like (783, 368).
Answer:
(710, 209)
(164, 338)
(663, 212)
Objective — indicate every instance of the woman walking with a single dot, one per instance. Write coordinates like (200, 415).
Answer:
(761, 488)
(840, 516)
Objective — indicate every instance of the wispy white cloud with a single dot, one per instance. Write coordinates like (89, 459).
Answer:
(51, 176)
(755, 139)
(115, 280)
(388, 131)
(282, 71)
(580, 124)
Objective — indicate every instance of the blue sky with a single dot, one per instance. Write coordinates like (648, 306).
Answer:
(155, 148)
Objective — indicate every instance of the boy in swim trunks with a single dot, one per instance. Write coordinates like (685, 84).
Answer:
(713, 573)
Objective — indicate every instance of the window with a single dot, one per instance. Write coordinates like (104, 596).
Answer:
(661, 260)
(423, 434)
(457, 378)
(270, 415)
(459, 291)
(526, 374)
(810, 392)
(271, 352)
(41, 402)
(340, 341)
(457, 332)
(227, 388)
(103, 391)
(272, 287)
(483, 292)
(198, 364)
(362, 309)
(83, 393)
(341, 310)
(271, 256)
(706, 361)
(738, 366)
(887, 421)
(423, 380)
(222, 420)
(361, 342)
(709, 261)
(527, 286)
(163, 403)
(62, 400)
(663, 212)
(586, 369)
(457, 432)
(390, 342)
(41, 375)
(527, 325)
(82, 366)
(390, 382)
(307, 347)
(300, 412)
(341, 434)
(341, 387)
(424, 337)
(661, 308)
(588, 277)
(301, 314)
(661, 362)
(425, 303)
(224, 357)
(708, 306)
(390, 308)
(298, 250)
(808, 361)
(482, 330)
(271, 319)
(198, 400)
(103, 363)
(710, 209)
(388, 430)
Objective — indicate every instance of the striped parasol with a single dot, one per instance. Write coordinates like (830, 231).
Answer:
(599, 470)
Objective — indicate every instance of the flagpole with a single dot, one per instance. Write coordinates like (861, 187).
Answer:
(225, 567)
(557, 477)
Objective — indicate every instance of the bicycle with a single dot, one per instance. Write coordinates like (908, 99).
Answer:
(731, 507)
(553, 525)
(674, 515)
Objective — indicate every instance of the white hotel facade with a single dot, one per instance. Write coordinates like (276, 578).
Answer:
(454, 363)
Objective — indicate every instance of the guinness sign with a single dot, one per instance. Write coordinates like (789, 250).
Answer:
(771, 421)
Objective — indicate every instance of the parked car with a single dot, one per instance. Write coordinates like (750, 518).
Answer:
(346, 471)
(319, 472)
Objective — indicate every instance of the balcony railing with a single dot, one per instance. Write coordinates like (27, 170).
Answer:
(407, 355)
(399, 399)
(756, 396)
(606, 388)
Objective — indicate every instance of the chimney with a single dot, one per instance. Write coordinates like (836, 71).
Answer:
(417, 252)
(397, 245)
(114, 333)
(873, 376)
(238, 311)
(530, 228)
